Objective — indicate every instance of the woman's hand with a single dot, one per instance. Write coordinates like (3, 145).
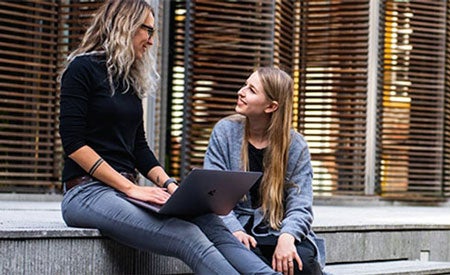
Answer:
(246, 239)
(149, 193)
(285, 254)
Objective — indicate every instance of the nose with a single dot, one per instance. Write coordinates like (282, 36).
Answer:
(150, 41)
(241, 92)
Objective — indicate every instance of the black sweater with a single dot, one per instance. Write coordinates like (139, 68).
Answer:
(111, 125)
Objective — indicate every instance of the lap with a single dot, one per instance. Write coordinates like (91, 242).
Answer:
(96, 205)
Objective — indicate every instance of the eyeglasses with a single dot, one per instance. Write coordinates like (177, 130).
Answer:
(150, 30)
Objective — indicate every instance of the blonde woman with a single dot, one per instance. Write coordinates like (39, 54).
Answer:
(101, 126)
(275, 218)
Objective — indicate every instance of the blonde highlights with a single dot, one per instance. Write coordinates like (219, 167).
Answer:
(112, 31)
(278, 86)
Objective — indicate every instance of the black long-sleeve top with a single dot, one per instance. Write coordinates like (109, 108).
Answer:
(111, 125)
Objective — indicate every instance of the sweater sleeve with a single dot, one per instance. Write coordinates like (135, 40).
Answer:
(299, 196)
(215, 156)
(75, 85)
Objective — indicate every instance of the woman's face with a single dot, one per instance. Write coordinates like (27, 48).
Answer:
(252, 100)
(142, 39)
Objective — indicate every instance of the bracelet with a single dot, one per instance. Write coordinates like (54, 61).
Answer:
(95, 166)
(169, 181)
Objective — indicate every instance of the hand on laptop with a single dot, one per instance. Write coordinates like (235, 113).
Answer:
(149, 193)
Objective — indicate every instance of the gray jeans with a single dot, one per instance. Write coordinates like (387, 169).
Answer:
(203, 243)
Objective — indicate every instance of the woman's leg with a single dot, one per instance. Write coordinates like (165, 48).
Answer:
(305, 250)
(96, 205)
(308, 254)
(244, 260)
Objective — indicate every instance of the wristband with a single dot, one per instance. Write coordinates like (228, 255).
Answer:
(169, 181)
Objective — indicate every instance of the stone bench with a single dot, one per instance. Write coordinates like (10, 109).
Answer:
(35, 240)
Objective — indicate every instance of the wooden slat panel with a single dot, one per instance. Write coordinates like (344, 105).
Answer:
(35, 39)
(228, 39)
(446, 148)
(411, 99)
(325, 44)
(332, 78)
(28, 46)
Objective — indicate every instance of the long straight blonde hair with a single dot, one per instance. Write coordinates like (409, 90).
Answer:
(278, 86)
(112, 31)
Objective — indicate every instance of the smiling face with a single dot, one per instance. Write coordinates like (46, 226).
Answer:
(252, 100)
(142, 40)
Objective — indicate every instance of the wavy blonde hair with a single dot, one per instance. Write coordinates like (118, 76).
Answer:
(278, 86)
(112, 31)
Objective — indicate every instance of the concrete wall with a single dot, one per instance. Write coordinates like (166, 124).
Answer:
(364, 246)
(81, 256)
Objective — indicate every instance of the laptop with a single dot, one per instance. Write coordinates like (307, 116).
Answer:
(205, 191)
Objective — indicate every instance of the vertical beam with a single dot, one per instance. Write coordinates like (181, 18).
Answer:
(372, 77)
(272, 56)
(187, 103)
(149, 102)
(165, 26)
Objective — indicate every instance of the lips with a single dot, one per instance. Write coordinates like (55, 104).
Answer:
(241, 102)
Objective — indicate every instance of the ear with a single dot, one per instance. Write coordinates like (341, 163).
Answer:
(272, 107)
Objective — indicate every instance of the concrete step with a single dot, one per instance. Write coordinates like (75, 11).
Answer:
(384, 233)
(390, 268)
(35, 240)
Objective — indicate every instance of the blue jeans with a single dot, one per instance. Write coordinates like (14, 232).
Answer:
(203, 243)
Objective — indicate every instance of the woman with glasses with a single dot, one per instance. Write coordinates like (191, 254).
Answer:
(101, 126)
(275, 217)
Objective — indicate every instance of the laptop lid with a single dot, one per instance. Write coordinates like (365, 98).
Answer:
(206, 191)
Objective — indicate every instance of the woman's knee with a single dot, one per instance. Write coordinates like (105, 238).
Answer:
(186, 232)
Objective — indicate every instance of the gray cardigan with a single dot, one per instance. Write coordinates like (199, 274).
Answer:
(224, 153)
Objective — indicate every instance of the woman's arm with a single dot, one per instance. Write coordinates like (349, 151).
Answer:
(298, 208)
(86, 158)
(299, 196)
(159, 177)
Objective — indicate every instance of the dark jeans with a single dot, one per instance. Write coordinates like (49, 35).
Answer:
(305, 250)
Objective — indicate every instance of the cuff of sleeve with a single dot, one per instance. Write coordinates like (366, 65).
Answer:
(233, 226)
(291, 232)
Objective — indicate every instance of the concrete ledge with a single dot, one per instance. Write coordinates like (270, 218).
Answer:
(81, 256)
(391, 267)
(35, 240)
